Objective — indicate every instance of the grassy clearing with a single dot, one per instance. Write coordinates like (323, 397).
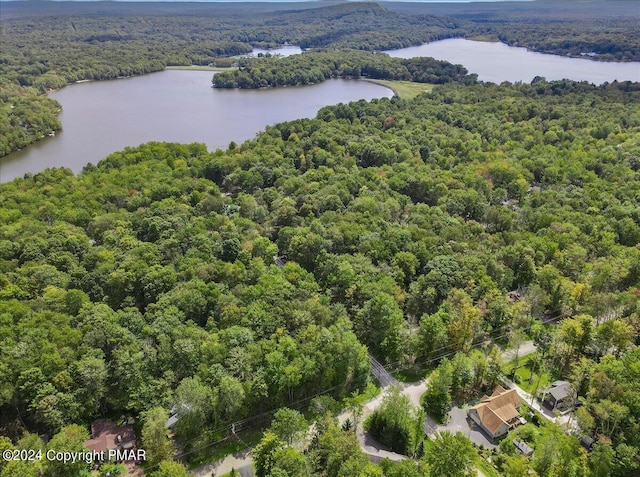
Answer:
(371, 391)
(529, 376)
(404, 89)
(486, 468)
(487, 38)
(428, 444)
(198, 68)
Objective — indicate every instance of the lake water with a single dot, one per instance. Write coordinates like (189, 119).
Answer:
(180, 106)
(99, 118)
(286, 50)
(497, 62)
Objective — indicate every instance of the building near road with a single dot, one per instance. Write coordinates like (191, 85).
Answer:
(560, 396)
(107, 435)
(497, 414)
(117, 443)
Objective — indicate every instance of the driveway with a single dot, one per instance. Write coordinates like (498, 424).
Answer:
(459, 422)
(564, 421)
(241, 461)
(525, 348)
(414, 391)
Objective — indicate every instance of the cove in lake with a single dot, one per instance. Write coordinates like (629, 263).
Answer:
(102, 117)
(286, 50)
(497, 62)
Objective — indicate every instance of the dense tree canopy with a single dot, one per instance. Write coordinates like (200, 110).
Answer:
(149, 280)
(315, 67)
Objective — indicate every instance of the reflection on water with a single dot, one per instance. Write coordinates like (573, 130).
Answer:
(497, 62)
(178, 106)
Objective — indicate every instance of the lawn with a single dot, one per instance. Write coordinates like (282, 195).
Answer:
(528, 376)
(371, 391)
(486, 468)
(488, 38)
(404, 89)
(412, 375)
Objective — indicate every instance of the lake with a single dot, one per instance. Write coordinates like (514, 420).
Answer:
(180, 106)
(497, 62)
(102, 117)
(286, 50)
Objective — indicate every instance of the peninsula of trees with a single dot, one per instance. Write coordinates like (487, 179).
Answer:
(316, 67)
(46, 46)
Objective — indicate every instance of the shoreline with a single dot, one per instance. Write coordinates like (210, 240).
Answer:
(375, 81)
(199, 68)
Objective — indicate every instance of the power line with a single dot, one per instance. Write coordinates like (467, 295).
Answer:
(234, 425)
(375, 364)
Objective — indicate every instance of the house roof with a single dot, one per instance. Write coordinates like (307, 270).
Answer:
(523, 447)
(172, 421)
(104, 436)
(499, 408)
(560, 390)
(587, 441)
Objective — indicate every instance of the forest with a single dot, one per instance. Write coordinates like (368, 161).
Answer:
(316, 67)
(228, 284)
(46, 47)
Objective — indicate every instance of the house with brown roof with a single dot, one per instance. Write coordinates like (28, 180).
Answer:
(106, 435)
(497, 414)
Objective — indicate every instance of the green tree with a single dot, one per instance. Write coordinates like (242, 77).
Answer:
(168, 468)
(601, 460)
(90, 375)
(154, 436)
(291, 461)
(18, 468)
(264, 454)
(193, 406)
(625, 462)
(558, 454)
(69, 439)
(451, 455)
(432, 333)
(436, 400)
(113, 470)
(289, 425)
(379, 326)
(515, 466)
(393, 423)
(332, 448)
(403, 468)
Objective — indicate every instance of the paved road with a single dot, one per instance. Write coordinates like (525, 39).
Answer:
(460, 422)
(526, 348)
(384, 377)
(370, 446)
(242, 462)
